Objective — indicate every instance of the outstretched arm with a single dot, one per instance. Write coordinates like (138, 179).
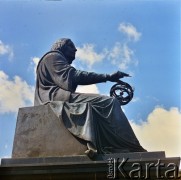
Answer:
(87, 78)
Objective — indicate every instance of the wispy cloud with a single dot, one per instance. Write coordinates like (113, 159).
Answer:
(122, 56)
(14, 93)
(161, 131)
(88, 55)
(6, 50)
(130, 31)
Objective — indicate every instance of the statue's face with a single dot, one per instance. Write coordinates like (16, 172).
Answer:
(70, 51)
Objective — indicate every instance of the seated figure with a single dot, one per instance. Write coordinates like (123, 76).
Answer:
(96, 119)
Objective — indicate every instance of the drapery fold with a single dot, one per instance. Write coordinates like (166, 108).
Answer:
(99, 120)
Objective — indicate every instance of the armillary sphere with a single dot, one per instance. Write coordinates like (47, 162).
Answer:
(122, 91)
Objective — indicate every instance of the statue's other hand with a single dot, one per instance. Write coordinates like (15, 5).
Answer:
(116, 76)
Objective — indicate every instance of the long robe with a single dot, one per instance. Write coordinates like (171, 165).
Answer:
(94, 118)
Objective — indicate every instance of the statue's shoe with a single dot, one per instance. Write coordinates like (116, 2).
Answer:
(91, 153)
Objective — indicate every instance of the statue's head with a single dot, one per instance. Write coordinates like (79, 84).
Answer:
(67, 47)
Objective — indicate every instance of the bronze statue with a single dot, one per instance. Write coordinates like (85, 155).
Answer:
(96, 119)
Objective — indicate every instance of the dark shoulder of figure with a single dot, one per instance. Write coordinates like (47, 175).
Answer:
(54, 55)
(49, 57)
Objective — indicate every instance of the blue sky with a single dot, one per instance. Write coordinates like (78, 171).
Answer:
(137, 37)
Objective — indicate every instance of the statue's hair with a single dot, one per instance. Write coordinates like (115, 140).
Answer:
(60, 44)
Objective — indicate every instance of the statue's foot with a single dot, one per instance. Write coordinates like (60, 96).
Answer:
(90, 153)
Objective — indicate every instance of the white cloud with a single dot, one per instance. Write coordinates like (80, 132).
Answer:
(88, 55)
(116, 51)
(161, 132)
(6, 50)
(130, 31)
(88, 89)
(122, 56)
(35, 63)
(14, 93)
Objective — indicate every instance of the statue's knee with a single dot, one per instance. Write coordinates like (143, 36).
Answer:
(112, 99)
(115, 100)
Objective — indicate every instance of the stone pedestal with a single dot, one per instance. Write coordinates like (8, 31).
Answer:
(40, 133)
(44, 149)
(152, 165)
